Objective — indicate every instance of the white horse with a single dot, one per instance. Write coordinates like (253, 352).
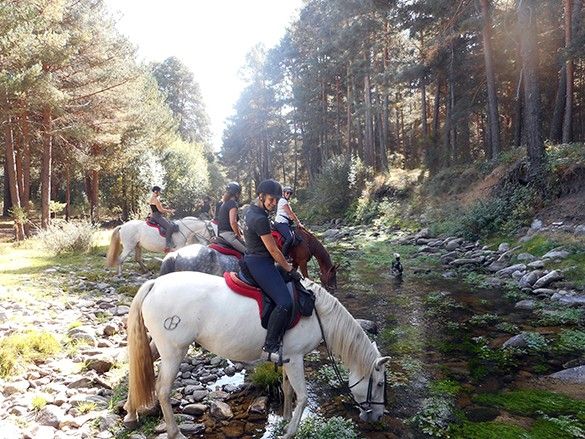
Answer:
(137, 235)
(180, 308)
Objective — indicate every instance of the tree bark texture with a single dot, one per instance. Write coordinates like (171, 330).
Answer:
(46, 165)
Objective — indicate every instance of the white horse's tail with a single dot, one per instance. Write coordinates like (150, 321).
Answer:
(114, 249)
(141, 370)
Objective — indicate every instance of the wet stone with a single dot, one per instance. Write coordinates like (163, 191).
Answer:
(481, 414)
(195, 409)
(191, 428)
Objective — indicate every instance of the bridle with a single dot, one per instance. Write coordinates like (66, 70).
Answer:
(364, 405)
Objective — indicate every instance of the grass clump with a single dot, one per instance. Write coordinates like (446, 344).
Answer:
(445, 387)
(67, 237)
(264, 376)
(434, 417)
(487, 430)
(22, 348)
(38, 402)
(558, 317)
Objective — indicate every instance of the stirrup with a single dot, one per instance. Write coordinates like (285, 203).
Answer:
(274, 357)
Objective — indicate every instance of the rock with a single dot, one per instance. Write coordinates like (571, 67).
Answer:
(195, 409)
(536, 264)
(83, 334)
(556, 254)
(505, 272)
(580, 230)
(518, 341)
(199, 395)
(543, 291)
(368, 326)
(121, 310)
(107, 422)
(526, 304)
(9, 430)
(191, 428)
(80, 383)
(546, 280)
(503, 247)
(525, 257)
(573, 375)
(568, 298)
(234, 429)
(40, 432)
(110, 329)
(50, 415)
(529, 279)
(19, 386)
(220, 410)
(423, 233)
(497, 266)
(465, 261)
(536, 225)
(452, 245)
(481, 414)
(259, 406)
(331, 234)
(100, 363)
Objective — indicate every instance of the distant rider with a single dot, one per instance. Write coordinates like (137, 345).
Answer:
(156, 216)
(227, 218)
(285, 217)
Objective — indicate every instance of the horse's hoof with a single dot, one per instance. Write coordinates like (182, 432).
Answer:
(131, 425)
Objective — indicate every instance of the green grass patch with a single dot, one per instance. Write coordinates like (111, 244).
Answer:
(487, 430)
(533, 402)
(445, 387)
(571, 342)
(38, 402)
(23, 348)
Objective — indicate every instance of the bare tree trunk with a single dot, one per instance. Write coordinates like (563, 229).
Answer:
(68, 193)
(556, 124)
(13, 177)
(369, 135)
(26, 158)
(568, 119)
(532, 113)
(348, 115)
(337, 115)
(493, 113)
(46, 164)
(7, 201)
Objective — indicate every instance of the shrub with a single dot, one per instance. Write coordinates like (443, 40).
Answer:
(38, 402)
(266, 377)
(24, 347)
(434, 417)
(571, 342)
(67, 237)
(317, 427)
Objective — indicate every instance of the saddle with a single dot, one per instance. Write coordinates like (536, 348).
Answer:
(280, 239)
(222, 246)
(303, 300)
(161, 231)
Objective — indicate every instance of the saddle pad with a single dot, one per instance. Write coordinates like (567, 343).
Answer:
(225, 250)
(278, 238)
(238, 286)
(156, 226)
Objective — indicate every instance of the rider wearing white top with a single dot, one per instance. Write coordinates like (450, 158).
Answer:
(284, 218)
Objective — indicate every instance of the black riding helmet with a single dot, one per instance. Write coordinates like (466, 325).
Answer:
(269, 187)
(233, 188)
(156, 189)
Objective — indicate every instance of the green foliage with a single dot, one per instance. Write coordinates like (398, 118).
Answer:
(21, 348)
(317, 427)
(484, 319)
(187, 176)
(67, 237)
(265, 376)
(434, 417)
(326, 374)
(486, 430)
(38, 402)
(338, 184)
(535, 342)
(508, 327)
(571, 342)
(533, 402)
(558, 317)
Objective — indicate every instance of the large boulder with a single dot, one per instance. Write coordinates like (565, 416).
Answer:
(548, 279)
(574, 375)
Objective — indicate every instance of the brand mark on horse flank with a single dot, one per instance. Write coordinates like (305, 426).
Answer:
(171, 323)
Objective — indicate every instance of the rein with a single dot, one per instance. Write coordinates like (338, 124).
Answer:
(346, 388)
(193, 232)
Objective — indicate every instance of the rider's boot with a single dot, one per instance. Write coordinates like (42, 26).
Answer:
(272, 350)
(285, 247)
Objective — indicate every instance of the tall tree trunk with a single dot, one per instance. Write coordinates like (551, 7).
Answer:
(532, 110)
(385, 131)
(423, 93)
(7, 201)
(46, 164)
(368, 130)
(68, 194)
(337, 115)
(568, 119)
(26, 157)
(493, 113)
(556, 124)
(348, 115)
(13, 177)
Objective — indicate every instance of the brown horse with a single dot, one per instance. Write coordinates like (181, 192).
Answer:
(310, 246)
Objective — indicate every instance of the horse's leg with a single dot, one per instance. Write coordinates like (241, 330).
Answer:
(296, 377)
(125, 253)
(138, 257)
(171, 358)
(288, 396)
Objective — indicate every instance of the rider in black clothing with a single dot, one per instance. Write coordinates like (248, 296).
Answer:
(156, 216)
(260, 256)
(227, 218)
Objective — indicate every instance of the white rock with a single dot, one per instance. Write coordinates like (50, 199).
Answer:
(573, 375)
(556, 254)
(536, 224)
(503, 247)
(553, 276)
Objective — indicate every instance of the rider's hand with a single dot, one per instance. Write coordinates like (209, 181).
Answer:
(295, 275)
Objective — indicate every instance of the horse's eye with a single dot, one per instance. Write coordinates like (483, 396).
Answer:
(381, 383)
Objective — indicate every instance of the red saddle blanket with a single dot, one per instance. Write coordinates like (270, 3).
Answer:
(238, 286)
(278, 238)
(225, 250)
(161, 231)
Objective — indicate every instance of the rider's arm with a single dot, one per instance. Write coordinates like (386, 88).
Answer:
(234, 221)
(291, 214)
(275, 252)
(160, 207)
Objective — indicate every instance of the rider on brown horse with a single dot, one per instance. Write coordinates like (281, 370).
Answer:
(285, 217)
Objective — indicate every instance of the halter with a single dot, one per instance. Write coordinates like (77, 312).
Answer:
(364, 405)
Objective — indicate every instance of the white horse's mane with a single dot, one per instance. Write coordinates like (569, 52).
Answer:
(344, 336)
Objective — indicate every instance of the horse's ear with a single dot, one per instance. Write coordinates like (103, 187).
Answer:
(375, 344)
(381, 361)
